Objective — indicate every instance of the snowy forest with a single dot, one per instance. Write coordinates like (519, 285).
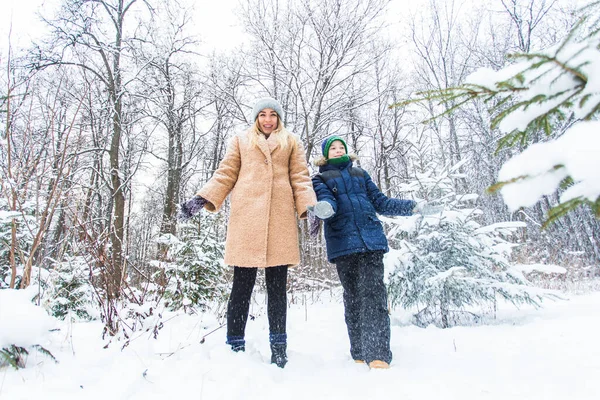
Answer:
(118, 113)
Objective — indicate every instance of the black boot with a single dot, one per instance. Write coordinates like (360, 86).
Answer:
(238, 347)
(237, 343)
(278, 354)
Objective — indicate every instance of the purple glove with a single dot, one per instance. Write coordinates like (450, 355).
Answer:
(190, 208)
(314, 225)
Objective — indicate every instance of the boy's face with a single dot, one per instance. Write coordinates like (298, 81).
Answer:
(336, 150)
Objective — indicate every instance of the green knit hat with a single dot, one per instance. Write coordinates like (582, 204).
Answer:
(327, 144)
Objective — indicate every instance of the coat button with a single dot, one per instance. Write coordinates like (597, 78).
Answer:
(266, 161)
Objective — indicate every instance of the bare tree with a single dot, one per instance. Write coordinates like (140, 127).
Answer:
(310, 56)
(527, 16)
(92, 35)
(39, 162)
(171, 92)
(439, 39)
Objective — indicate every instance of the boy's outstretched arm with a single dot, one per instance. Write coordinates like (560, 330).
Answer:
(383, 204)
(323, 192)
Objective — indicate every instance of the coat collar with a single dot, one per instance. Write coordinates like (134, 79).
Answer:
(267, 146)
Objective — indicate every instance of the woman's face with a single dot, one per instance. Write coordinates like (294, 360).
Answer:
(267, 120)
(336, 150)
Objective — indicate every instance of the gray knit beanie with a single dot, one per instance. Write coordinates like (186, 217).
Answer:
(266, 102)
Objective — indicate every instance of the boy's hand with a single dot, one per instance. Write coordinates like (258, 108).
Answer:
(321, 210)
(190, 208)
(425, 208)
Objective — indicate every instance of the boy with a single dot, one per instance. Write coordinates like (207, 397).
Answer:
(356, 244)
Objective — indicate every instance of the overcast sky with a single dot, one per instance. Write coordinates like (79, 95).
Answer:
(18, 18)
(214, 19)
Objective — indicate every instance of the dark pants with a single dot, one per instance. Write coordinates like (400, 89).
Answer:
(365, 303)
(239, 302)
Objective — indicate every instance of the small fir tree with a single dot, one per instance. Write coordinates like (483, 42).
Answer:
(448, 266)
(68, 290)
(25, 223)
(196, 274)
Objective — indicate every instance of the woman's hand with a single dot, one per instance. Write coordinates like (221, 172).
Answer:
(314, 225)
(190, 208)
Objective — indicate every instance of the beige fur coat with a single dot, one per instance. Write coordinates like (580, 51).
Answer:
(269, 187)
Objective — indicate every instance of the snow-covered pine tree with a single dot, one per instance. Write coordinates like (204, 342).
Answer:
(68, 290)
(65, 288)
(196, 274)
(447, 266)
(25, 223)
(553, 91)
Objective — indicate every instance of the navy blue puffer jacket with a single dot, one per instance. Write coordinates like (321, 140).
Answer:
(354, 228)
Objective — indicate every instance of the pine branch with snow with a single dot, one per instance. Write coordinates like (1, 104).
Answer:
(540, 92)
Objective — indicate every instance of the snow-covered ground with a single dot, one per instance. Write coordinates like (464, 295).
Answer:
(551, 353)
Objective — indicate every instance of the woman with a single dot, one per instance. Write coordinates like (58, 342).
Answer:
(265, 171)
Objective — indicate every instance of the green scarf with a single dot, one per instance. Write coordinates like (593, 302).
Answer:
(340, 160)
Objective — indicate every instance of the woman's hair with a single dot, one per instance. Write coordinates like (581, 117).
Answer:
(281, 134)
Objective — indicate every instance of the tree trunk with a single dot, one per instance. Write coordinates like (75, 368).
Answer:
(118, 221)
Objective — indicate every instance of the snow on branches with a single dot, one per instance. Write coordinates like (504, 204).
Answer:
(555, 91)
